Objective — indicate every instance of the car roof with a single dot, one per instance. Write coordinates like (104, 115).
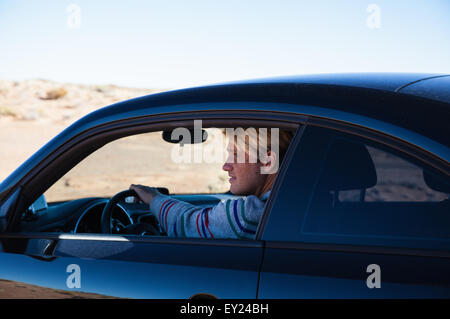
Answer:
(435, 88)
(401, 99)
(393, 82)
(427, 85)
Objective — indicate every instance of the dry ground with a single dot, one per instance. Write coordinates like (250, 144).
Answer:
(34, 111)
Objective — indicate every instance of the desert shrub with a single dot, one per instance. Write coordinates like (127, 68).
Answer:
(54, 94)
(6, 111)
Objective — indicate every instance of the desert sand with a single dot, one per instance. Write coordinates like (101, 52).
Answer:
(34, 111)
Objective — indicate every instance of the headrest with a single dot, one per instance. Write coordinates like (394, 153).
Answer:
(436, 182)
(348, 166)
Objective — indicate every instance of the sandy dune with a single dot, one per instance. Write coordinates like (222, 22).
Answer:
(32, 112)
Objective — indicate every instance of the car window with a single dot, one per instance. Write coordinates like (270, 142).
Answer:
(215, 188)
(397, 181)
(368, 193)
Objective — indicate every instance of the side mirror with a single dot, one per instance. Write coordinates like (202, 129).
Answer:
(39, 204)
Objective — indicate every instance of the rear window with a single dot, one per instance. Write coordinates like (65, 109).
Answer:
(368, 193)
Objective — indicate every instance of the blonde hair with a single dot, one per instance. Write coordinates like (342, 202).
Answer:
(253, 142)
(249, 143)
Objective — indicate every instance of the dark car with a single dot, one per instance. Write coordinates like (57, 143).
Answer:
(360, 207)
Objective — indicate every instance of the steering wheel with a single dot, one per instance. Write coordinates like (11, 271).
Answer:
(139, 229)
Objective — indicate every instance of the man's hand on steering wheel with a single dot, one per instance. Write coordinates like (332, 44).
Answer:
(108, 225)
(145, 193)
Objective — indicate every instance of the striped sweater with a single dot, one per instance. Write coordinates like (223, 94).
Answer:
(231, 218)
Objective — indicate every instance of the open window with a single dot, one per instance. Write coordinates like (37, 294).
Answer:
(183, 163)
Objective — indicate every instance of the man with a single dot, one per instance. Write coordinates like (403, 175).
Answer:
(233, 218)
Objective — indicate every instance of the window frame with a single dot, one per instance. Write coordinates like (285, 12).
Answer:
(94, 138)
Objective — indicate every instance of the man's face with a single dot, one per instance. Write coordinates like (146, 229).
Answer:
(245, 178)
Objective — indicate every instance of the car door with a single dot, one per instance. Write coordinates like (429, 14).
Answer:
(351, 221)
(61, 263)
(98, 266)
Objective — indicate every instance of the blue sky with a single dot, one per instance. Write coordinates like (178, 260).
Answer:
(170, 44)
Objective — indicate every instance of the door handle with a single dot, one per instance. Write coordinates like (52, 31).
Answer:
(41, 248)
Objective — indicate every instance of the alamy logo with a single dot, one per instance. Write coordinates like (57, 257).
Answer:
(74, 18)
(249, 145)
(374, 279)
(374, 19)
(74, 279)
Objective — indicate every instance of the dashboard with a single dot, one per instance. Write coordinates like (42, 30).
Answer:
(84, 215)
